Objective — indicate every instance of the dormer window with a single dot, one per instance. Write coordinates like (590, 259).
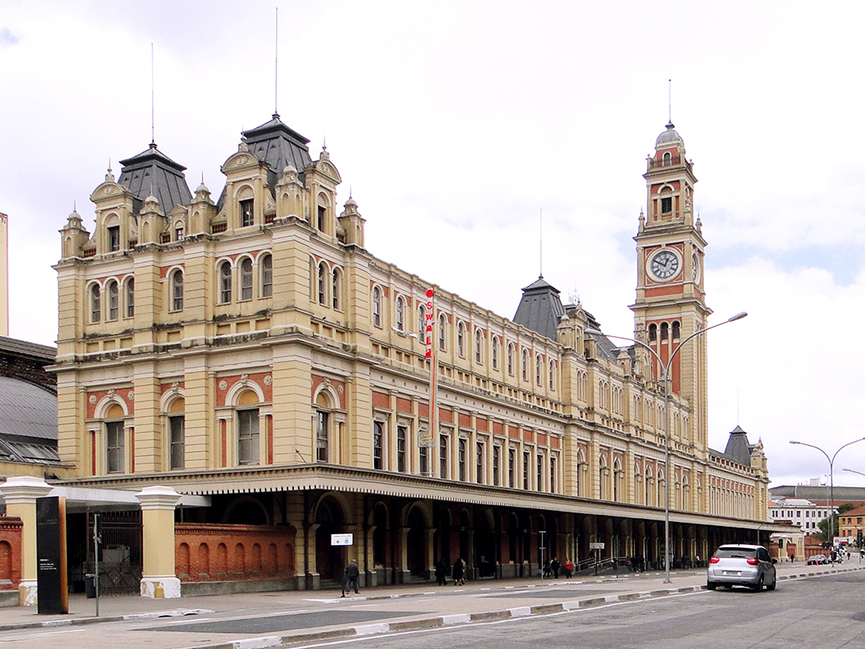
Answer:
(246, 212)
(113, 238)
(668, 159)
(322, 212)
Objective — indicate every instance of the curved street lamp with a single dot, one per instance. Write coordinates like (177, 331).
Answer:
(666, 367)
(831, 517)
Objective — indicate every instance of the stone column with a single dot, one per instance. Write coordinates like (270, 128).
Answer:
(157, 518)
(21, 494)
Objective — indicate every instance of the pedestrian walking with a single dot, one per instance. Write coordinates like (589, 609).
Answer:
(555, 567)
(568, 568)
(352, 573)
(459, 572)
(441, 572)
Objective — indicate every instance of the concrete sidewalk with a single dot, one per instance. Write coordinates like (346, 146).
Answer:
(478, 601)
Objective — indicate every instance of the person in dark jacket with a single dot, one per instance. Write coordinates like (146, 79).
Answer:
(555, 567)
(441, 572)
(352, 573)
(459, 572)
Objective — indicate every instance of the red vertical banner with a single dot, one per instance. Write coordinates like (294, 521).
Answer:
(433, 380)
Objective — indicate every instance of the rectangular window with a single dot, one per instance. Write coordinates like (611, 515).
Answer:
(115, 438)
(666, 205)
(479, 464)
(462, 460)
(267, 276)
(512, 467)
(423, 457)
(497, 451)
(113, 238)
(130, 298)
(443, 456)
(321, 428)
(553, 483)
(176, 426)
(401, 434)
(247, 217)
(540, 486)
(377, 437)
(247, 437)
(527, 458)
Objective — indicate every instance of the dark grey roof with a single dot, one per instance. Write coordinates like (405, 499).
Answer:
(27, 411)
(738, 449)
(670, 136)
(540, 308)
(277, 145)
(153, 172)
(23, 348)
(27, 451)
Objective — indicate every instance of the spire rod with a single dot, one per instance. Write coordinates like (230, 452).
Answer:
(541, 237)
(152, 99)
(670, 101)
(276, 67)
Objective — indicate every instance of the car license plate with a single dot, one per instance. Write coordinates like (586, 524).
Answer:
(731, 572)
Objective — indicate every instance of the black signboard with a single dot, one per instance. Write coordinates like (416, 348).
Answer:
(51, 594)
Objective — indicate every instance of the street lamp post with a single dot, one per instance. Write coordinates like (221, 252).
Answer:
(666, 368)
(831, 533)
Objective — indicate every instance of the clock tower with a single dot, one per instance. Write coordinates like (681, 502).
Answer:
(671, 303)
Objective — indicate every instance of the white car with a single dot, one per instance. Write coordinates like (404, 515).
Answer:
(741, 565)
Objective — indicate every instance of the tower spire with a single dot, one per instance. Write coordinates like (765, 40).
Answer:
(669, 101)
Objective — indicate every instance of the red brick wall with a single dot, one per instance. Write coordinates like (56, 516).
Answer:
(211, 552)
(10, 552)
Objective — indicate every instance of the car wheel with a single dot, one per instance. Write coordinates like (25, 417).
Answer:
(711, 586)
(758, 586)
(773, 584)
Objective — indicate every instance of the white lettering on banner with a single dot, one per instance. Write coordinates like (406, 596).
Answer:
(430, 317)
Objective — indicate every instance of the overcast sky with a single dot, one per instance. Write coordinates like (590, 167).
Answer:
(455, 123)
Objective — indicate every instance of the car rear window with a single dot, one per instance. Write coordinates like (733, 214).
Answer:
(735, 553)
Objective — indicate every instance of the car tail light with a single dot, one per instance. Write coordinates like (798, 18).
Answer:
(714, 560)
(753, 562)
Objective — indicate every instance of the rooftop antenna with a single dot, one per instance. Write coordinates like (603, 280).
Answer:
(276, 68)
(152, 99)
(541, 227)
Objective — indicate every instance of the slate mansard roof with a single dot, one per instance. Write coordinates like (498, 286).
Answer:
(153, 172)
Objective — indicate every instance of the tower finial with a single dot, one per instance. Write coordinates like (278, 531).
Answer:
(276, 68)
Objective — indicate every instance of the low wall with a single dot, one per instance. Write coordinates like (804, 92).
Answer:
(233, 553)
(10, 553)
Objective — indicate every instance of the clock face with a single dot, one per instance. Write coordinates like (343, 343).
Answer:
(665, 264)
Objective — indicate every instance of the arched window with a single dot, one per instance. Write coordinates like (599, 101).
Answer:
(246, 279)
(337, 289)
(113, 300)
(421, 323)
(653, 332)
(664, 331)
(266, 276)
(677, 330)
(177, 290)
(525, 360)
(225, 282)
(376, 306)
(479, 346)
(538, 365)
(552, 375)
(130, 297)
(511, 359)
(400, 313)
(668, 159)
(322, 283)
(443, 321)
(461, 335)
(494, 352)
(247, 213)
(95, 303)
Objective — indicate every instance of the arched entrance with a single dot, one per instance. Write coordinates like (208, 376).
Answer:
(416, 544)
(485, 545)
(328, 559)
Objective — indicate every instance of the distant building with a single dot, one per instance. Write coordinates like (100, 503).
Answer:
(800, 512)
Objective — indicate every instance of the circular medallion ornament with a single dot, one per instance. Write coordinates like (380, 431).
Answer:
(131, 396)
(223, 385)
(92, 399)
(268, 379)
(664, 265)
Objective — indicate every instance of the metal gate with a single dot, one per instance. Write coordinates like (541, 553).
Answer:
(120, 560)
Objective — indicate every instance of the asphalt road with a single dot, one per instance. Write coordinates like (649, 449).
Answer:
(828, 613)
(822, 611)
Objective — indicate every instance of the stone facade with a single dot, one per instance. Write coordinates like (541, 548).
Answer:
(252, 349)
